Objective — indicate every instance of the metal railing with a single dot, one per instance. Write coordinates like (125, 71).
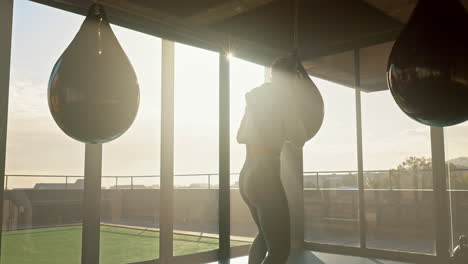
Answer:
(69, 185)
(390, 180)
(317, 177)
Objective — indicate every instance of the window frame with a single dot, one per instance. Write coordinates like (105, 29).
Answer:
(93, 157)
(441, 214)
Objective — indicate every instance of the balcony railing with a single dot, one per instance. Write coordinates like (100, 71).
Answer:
(319, 180)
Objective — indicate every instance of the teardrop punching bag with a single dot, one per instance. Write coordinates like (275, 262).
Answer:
(427, 71)
(311, 102)
(93, 90)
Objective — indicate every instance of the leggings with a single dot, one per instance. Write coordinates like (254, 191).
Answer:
(263, 192)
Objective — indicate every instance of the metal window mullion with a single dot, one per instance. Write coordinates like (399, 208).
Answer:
(441, 196)
(6, 22)
(224, 160)
(362, 212)
(167, 152)
(91, 204)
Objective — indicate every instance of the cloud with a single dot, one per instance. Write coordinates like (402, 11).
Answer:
(27, 97)
(456, 138)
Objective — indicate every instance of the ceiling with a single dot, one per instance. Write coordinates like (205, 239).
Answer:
(399, 9)
(260, 30)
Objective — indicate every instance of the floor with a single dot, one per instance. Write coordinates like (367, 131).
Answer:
(321, 258)
(418, 243)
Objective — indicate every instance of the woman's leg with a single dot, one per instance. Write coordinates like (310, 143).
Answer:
(258, 249)
(262, 190)
(273, 215)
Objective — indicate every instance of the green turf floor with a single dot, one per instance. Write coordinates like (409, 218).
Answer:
(118, 245)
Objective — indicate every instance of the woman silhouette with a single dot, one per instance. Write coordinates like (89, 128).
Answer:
(288, 109)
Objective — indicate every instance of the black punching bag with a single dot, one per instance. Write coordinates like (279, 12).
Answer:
(93, 90)
(428, 67)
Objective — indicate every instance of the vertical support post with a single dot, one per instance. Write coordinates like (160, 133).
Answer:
(209, 182)
(362, 208)
(292, 177)
(317, 181)
(224, 206)
(167, 151)
(6, 22)
(441, 196)
(131, 182)
(91, 204)
(66, 182)
(292, 173)
(116, 182)
(390, 179)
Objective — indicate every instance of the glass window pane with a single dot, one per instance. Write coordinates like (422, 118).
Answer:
(44, 167)
(330, 177)
(196, 129)
(398, 177)
(131, 164)
(244, 76)
(457, 161)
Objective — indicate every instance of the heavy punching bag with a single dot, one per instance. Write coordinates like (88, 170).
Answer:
(93, 90)
(427, 70)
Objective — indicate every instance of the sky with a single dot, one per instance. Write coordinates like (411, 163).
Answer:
(36, 145)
